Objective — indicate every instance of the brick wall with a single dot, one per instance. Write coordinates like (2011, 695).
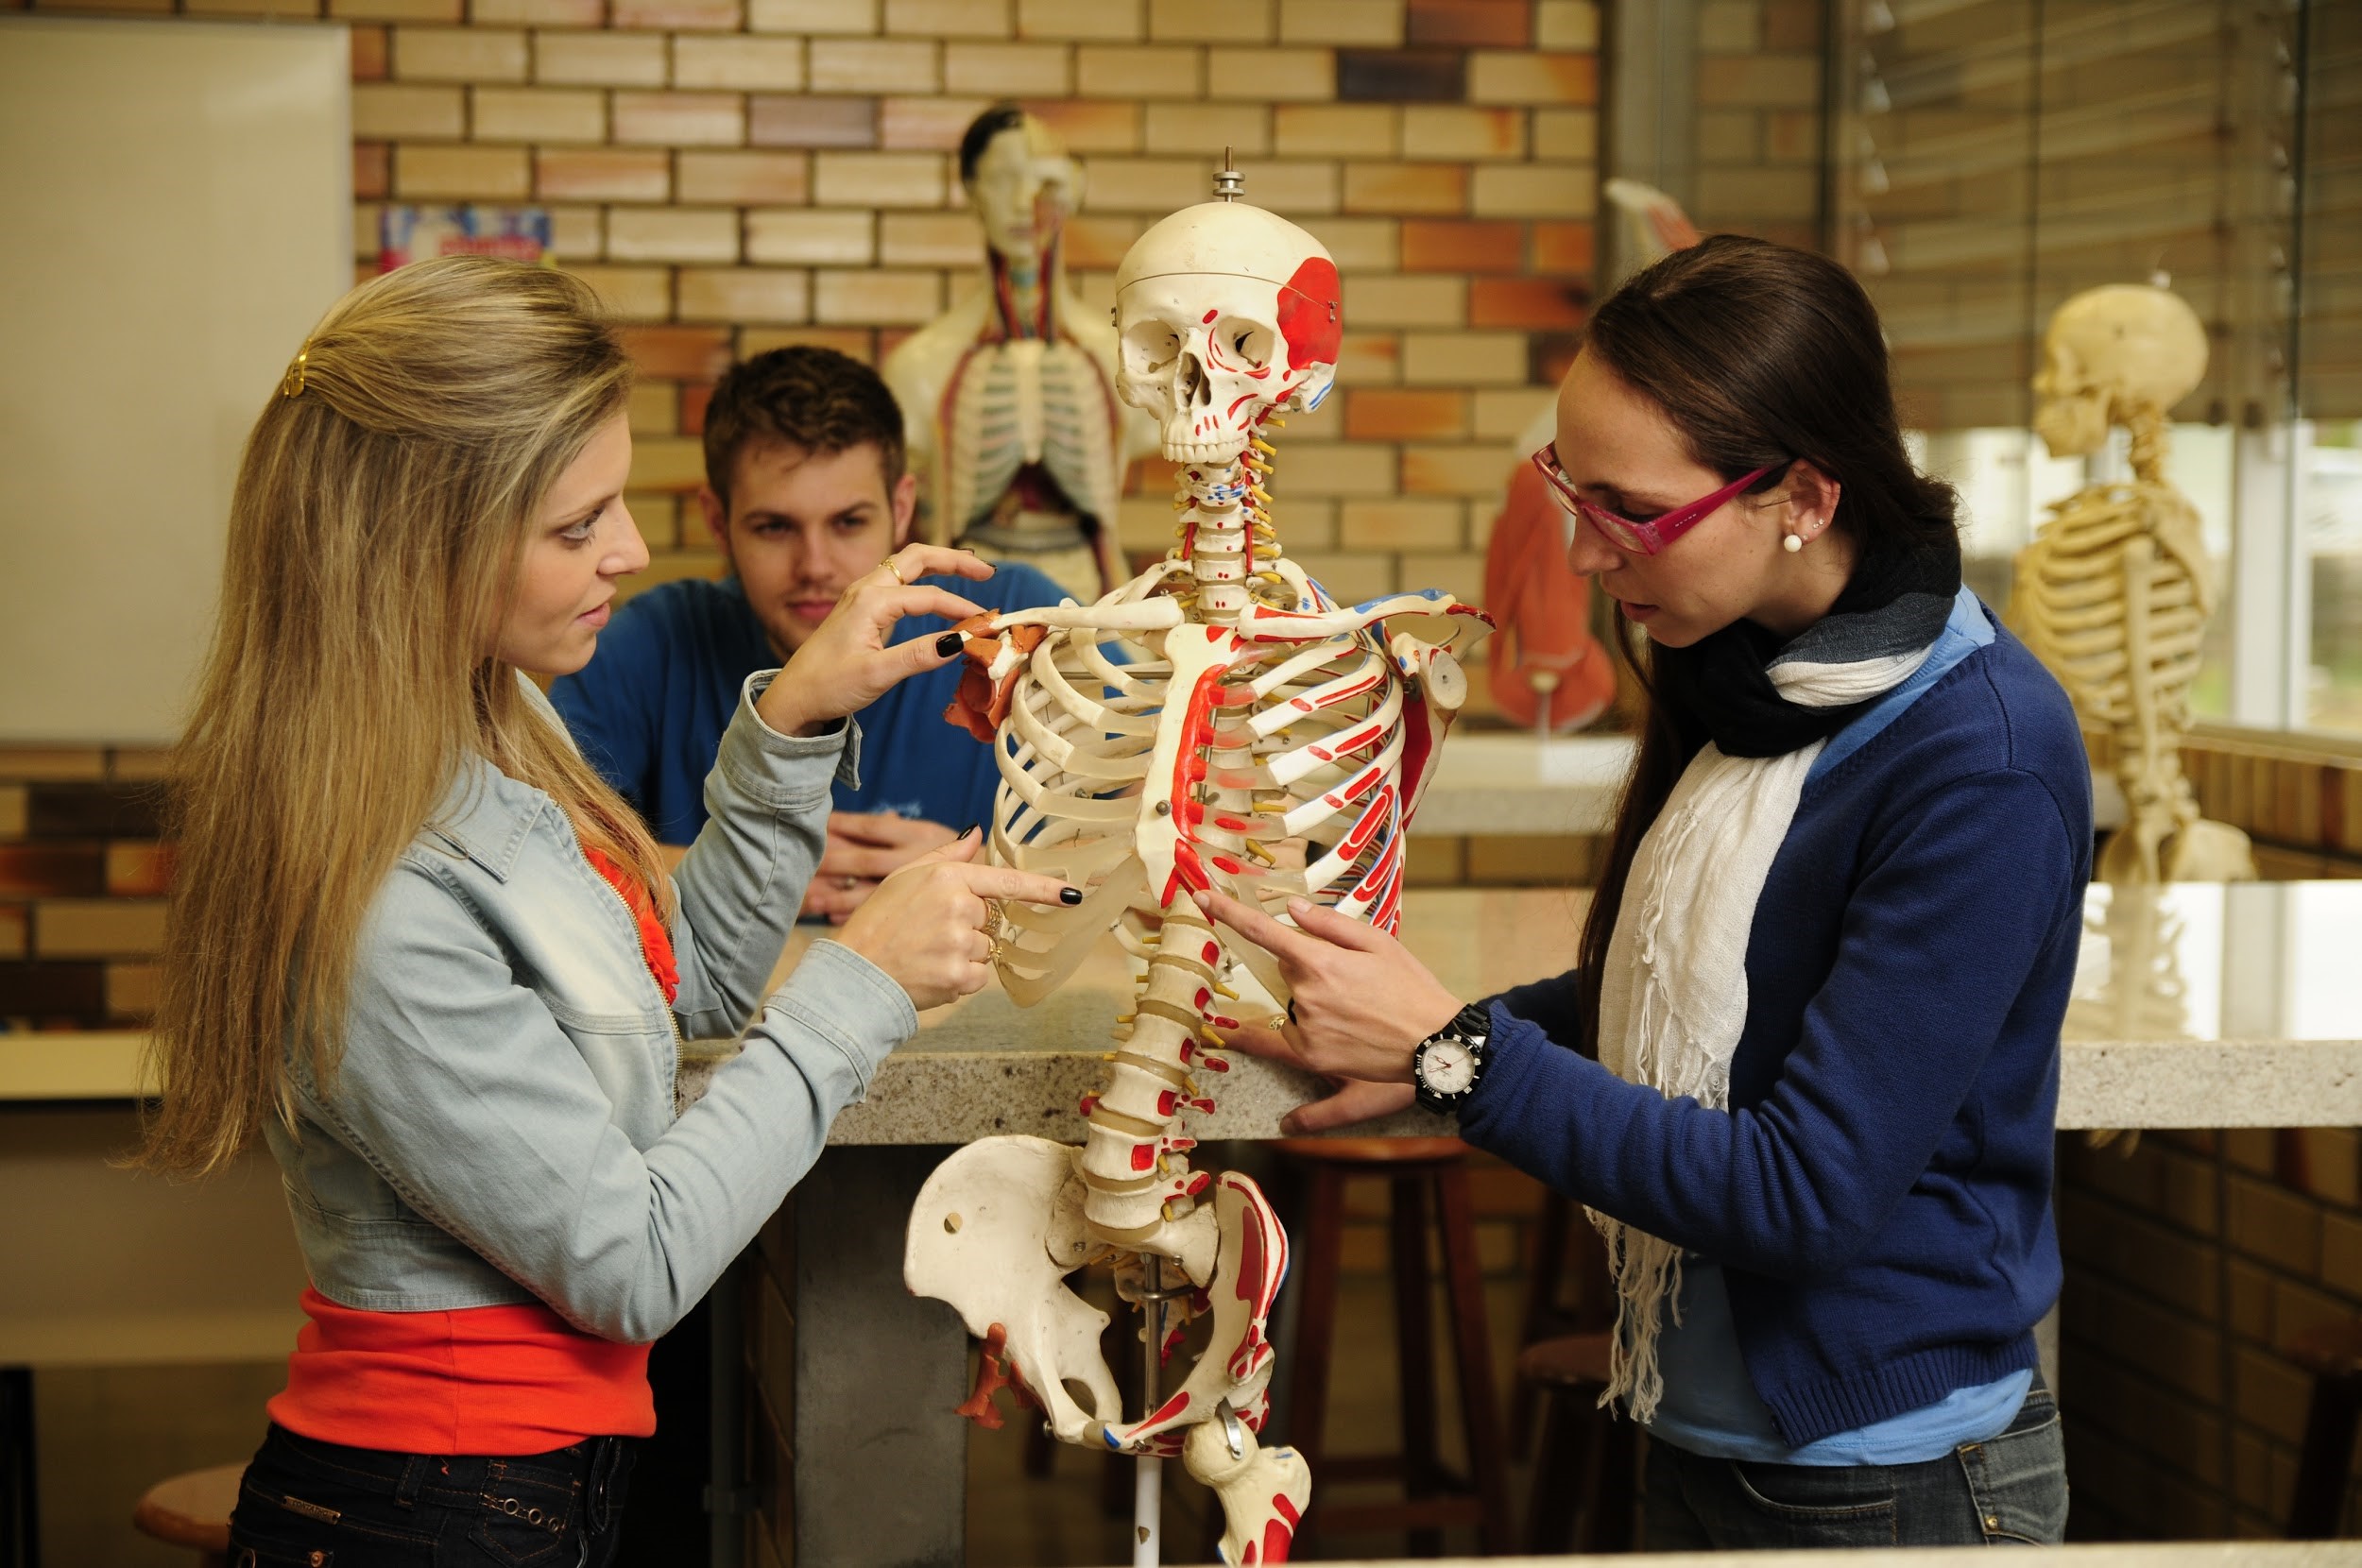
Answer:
(1759, 120)
(82, 887)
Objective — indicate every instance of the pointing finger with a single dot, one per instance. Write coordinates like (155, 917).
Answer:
(1260, 929)
(1026, 887)
(1343, 930)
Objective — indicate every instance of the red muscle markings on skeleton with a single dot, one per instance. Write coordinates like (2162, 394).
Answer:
(1218, 722)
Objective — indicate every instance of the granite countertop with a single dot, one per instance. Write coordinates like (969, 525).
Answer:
(2198, 1005)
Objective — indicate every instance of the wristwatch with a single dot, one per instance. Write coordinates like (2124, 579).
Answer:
(1448, 1064)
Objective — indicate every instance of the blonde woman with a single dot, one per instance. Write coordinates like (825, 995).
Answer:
(420, 948)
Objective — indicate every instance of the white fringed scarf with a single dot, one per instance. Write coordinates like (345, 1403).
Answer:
(1673, 995)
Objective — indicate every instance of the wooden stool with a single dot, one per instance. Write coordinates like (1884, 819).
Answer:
(1433, 1497)
(2334, 1356)
(1586, 1452)
(193, 1510)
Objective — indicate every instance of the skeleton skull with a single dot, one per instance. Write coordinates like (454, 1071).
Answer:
(2111, 349)
(1225, 312)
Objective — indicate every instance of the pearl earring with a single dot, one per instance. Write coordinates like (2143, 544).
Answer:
(1792, 543)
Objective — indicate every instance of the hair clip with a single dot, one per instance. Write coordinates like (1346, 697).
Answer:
(291, 385)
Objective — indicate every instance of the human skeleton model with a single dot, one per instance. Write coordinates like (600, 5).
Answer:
(2114, 591)
(1008, 399)
(1261, 739)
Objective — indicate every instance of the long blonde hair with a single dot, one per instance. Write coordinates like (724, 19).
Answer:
(375, 537)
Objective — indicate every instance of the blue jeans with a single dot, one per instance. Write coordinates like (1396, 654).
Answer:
(2006, 1491)
(321, 1504)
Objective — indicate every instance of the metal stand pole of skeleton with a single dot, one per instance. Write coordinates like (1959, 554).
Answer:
(1220, 721)
(2113, 592)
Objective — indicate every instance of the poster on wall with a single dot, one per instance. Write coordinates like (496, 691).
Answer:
(406, 234)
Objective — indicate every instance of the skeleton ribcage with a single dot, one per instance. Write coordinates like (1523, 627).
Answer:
(2070, 604)
(1029, 401)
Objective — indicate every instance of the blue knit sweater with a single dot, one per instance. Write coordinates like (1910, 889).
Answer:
(1878, 1193)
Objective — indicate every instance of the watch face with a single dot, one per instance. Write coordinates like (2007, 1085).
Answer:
(1447, 1067)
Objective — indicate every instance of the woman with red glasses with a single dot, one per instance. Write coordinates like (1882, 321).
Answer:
(1803, 1074)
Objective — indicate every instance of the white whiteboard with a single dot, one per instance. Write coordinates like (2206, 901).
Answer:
(180, 212)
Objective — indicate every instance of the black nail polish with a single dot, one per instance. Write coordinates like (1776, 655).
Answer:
(948, 644)
(967, 831)
(1069, 895)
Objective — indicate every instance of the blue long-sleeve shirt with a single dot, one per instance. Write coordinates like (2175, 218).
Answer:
(1878, 1193)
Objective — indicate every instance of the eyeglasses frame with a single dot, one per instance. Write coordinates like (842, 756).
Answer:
(1653, 536)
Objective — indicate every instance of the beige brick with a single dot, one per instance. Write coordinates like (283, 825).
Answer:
(539, 115)
(746, 179)
(1350, 131)
(1207, 128)
(600, 59)
(1502, 416)
(1009, 69)
(1372, 23)
(394, 10)
(632, 294)
(1567, 25)
(538, 13)
(878, 298)
(738, 62)
(1407, 524)
(932, 123)
(1344, 469)
(97, 927)
(1271, 76)
(804, 237)
(1406, 300)
(1760, 81)
(1362, 245)
(1209, 21)
(1143, 184)
(1522, 77)
(368, 219)
(1730, 26)
(950, 18)
(1399, 189)
(1369, 359)
(459, 54)
(1738, 196)
(775, 295)
(645, 16)
(874, 65)
(680, 119)
(1293, 188)
(930, 239)
(16, 807)
(1352, 578)
(673, 234)
(1463, 359)
(668, 463)
(1571, 135)
(1454, 131)
(1468, 471)
(603, 173)
(1110, 71)
(813, 16)
(1533, 191)
(879, 179)
(1081, 19)
(577, 233)
(474, 174)
(391, 112)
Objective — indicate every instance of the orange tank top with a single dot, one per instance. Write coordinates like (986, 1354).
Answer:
(480, 1380)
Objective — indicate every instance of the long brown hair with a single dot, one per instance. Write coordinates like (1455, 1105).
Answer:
(1759, 354)
(375, 535)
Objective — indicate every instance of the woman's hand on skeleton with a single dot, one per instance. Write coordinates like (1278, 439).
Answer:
(1362, 1005)
(928, 925)
(847, 664)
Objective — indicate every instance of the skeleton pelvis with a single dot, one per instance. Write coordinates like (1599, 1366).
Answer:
(998, 1228)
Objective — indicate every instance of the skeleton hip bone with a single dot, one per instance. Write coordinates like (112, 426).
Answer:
(1220, 721)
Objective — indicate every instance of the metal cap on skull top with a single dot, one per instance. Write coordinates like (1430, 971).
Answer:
(1225, 312)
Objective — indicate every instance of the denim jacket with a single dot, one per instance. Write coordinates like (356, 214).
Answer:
(502, 1127)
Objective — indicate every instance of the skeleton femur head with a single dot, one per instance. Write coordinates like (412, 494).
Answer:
(2109, 352)
(1226, 312)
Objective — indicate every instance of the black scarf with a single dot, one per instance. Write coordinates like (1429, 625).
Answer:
(1896, 601)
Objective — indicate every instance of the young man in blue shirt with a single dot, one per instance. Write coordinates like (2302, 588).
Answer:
(805, 491)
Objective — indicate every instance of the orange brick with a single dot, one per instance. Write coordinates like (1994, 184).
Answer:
(930, 124)
(680, 119)
(678, 353)
(1453, 131)
(1500, 23)
(139, 870)
(16, 927)
(874, 65)
(1406, 188)
(603, 173)
(1086, 125)
(1526, 78)
(746, 179)
(1383, 413)
(370, 53)
(1565, 248)
(372, 171)
(675, 15)
(740, 62)
(876, 298)
(1428, 246)
(744, 294)
(1536, 302)
(474, 174)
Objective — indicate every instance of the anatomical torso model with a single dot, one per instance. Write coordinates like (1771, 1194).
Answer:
(1548, 672)
(1216, 722)
(2113, 592)
(1008, 399)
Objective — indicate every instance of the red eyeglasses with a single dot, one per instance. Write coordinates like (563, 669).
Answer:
(1646, 539)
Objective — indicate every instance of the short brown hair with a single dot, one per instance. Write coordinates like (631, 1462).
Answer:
(816, 399)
